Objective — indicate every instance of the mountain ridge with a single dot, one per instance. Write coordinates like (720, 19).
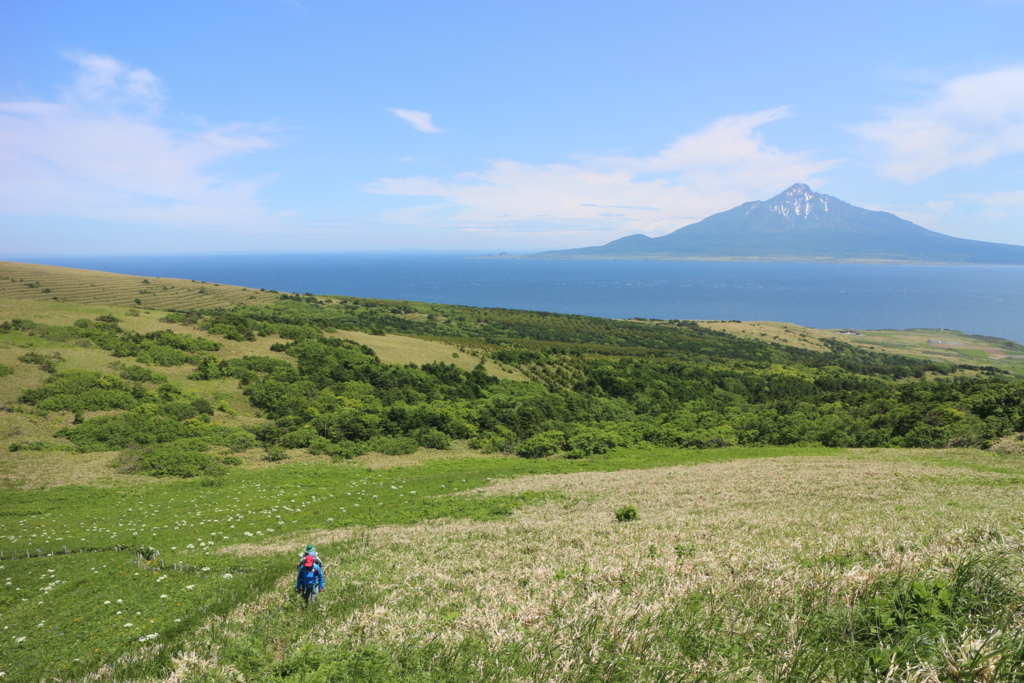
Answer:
(799, 224)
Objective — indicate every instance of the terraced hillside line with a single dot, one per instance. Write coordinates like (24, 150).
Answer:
(949, 346)
(57, 284)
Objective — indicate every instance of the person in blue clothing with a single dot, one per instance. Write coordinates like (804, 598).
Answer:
(310, 580)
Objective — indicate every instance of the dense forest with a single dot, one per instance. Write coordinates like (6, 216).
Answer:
(595, 384)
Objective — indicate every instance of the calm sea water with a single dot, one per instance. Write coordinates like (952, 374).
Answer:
(974, 299)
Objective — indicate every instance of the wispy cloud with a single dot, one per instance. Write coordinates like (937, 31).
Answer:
(713, 169)
(101, 153)
(970, 121)
(1014, 198)
(420, 120)
(102, 80)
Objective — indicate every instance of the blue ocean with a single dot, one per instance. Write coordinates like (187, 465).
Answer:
(973, 299)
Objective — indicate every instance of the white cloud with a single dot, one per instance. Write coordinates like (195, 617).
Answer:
(420, 120)
(100, 153)
(104, 80)
(971, 120)
(714, 169)
(1013, 198)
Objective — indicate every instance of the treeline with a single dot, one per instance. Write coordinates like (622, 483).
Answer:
(339, 396)
(673, 385)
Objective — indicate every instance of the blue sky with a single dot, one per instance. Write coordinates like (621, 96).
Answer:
(257, 125)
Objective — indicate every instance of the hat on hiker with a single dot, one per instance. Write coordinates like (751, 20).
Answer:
(309, 561)
(309, 547)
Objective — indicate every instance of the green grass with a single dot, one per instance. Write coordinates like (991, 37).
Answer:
(189, 523)
(172, 514)
(66, 614)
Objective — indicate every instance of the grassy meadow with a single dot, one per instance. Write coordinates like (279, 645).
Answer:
(798, 562)
(937, 344)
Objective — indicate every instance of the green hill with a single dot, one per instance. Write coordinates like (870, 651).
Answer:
(463, 472)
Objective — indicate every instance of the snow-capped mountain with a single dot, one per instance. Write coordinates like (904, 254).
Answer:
(802, 225)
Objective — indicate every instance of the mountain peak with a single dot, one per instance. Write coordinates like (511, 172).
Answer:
(798, 201)
(797, 188)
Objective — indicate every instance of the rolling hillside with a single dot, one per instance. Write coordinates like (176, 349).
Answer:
(648, 500)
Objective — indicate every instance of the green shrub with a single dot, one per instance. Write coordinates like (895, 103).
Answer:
(300, 438)
(239, 440)
(276, 453)
(434, 438)
(500, 440)
(165, 356)
(110, 432)
(591, 441)
(393, 445)
(542, 445)
(184, 458)
(47, 363)
(343, 450)
(626, 513)
(232, 460)
(81, 390)
(136, 373)
(6, 370)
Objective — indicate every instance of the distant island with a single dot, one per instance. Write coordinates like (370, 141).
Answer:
(802, 225)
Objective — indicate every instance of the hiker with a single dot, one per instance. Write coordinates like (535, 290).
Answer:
(310, 580)
(310, 551)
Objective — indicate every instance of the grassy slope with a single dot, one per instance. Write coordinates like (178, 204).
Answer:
(942, 345)
(525, 551)
(534, 538)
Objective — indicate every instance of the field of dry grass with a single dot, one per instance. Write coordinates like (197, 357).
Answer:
(764, 529)
(393, 348)
(722, 523)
